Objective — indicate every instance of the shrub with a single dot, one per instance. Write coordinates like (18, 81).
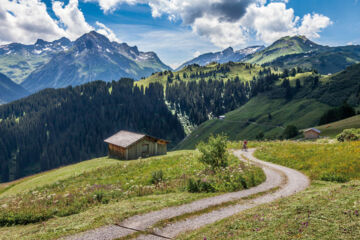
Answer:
(352, 134)
(196, 186)
(333, 177)
(157, 177)
(290, 132)
(214, 153)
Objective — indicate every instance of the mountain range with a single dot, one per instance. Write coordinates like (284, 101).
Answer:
(62, 63)
(17, 60)
(227, 55)
(92, 57)
(286, 53)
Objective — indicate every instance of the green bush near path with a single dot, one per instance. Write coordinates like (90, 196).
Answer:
(224, 172)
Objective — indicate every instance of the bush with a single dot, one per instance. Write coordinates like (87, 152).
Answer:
(333, 177)
(290, 132)
(157, 177)
(196, 186)
(352, 134)
(214, 152)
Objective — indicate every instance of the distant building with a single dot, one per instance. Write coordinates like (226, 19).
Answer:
(312, 133)
(126, 145)
(222, 117)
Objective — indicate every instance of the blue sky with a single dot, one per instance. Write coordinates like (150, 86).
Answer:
(178, 30)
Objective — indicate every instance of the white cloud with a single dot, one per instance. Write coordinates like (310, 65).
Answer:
(72, 18)
(273, 21)
(232, 22)
(270, 22)
(222, 34)
(25, 21)
(196, 54)
(104, 30)
(312, 24)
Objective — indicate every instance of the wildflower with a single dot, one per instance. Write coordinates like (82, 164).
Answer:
(356, 213)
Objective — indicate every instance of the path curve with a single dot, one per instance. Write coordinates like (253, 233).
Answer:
(276, 175)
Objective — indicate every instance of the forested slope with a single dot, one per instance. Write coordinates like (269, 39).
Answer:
(299, 100)
(58, 127)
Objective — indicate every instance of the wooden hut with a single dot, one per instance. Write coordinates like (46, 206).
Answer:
(312, 133)
(126, 145)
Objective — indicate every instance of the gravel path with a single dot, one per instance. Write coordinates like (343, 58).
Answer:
(275, 176)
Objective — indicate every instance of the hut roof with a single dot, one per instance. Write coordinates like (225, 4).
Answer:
(125, 138)
(313, 129)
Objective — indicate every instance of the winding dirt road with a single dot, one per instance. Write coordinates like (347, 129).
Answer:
(288, 182)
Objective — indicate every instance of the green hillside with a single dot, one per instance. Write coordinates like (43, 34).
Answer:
(52, 176)
(333, 129)
(106, 191)
(253, 118)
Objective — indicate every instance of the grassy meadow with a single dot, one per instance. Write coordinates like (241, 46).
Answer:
(77, 198)
(320, 161)
(52, 176)
(328, 209)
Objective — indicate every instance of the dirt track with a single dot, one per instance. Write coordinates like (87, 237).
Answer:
(290, 181)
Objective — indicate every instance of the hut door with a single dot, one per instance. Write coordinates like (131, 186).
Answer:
(145, 150)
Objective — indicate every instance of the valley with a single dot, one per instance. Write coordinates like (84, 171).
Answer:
(61, 99)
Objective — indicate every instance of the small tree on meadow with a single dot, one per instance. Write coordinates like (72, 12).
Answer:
(290, 132)
(214, 153)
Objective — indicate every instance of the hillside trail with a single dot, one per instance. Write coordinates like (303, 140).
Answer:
(286, 181)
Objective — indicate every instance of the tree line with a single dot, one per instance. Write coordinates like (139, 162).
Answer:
(201, 100)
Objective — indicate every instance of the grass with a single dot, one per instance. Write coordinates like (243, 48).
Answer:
(50, 177)
(326, 210)
(65, 202)
(320, 161)
(251, 119)
(335, 128)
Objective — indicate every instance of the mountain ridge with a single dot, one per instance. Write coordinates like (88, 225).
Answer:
(223, 56)
(298, 51)
(93, 57)
(18, 60)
